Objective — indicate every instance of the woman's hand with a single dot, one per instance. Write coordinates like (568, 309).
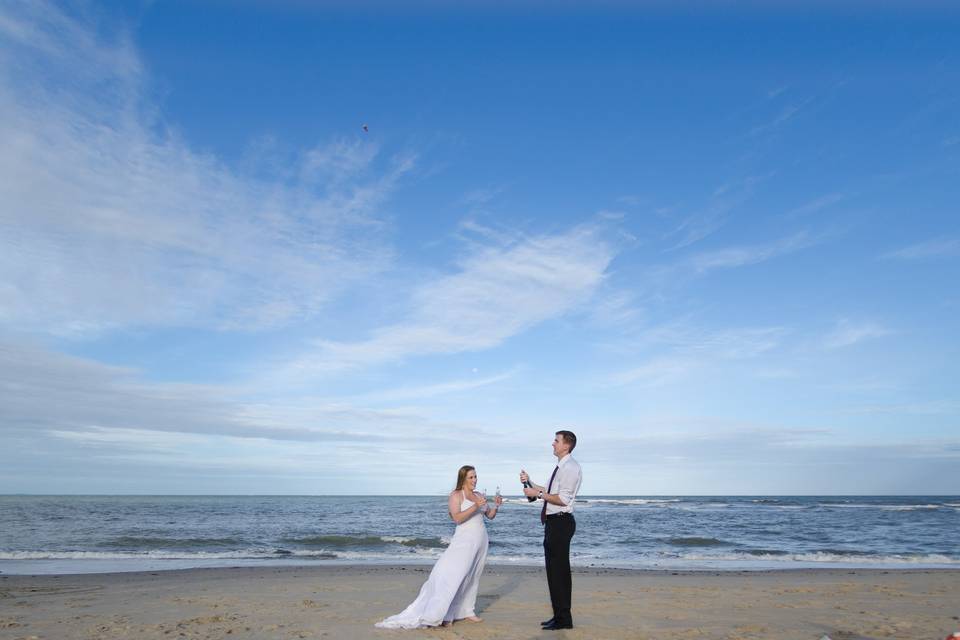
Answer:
(480, 499)
(491, 512)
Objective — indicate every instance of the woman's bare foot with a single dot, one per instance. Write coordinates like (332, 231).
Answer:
(446, 623)
(473, 619)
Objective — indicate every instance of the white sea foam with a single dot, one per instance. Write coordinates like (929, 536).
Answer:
(882, 507)
(413, 541)
(161, 555)
(828, 558)
(628, 501)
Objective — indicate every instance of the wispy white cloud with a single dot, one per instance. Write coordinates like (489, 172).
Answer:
(732, 257)
(630, 200)
(817, 204)
(480, 197)
(658, 371)
(787, 113)
(470, 229)
(773, 93)
(930, 408)
(685, 350)
(682, 336)
(497, 292)
(433, 390)
(111, 219)
(934, 248)
(848, 332)
(615, 308)
(703, 222)
(339, 161)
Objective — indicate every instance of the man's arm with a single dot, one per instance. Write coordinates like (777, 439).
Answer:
(559, 499)
(554, 498)
(568, 483)
(562, 498)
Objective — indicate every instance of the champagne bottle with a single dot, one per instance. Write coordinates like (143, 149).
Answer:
(529, 485)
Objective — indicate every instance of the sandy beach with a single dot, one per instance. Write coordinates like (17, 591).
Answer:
(345, 602)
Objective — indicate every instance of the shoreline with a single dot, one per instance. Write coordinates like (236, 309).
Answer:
(490, 568)
(77, 567)
(344, 601)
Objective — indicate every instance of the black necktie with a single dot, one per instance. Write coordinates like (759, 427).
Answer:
(543, 511)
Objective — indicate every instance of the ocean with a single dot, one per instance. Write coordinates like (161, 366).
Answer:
(81, 534)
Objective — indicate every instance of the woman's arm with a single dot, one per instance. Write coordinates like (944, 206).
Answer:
(453, 507)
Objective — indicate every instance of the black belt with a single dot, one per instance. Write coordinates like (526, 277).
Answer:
(562, 514)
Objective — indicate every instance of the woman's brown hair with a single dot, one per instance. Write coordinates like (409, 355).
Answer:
(462, 476)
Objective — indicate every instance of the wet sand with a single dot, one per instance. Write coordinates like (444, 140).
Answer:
(345, 601)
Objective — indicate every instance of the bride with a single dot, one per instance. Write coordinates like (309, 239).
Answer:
(450, 592)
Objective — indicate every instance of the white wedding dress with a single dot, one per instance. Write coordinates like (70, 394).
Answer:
(450, 592)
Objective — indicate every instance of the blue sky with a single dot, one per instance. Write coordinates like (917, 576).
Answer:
(720, 245)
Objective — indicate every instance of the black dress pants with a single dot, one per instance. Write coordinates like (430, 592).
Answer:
(557, 533)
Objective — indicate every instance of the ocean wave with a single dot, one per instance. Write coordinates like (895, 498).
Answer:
(704, 506)
(433, 543)
(627, 501)
(778, 504)
(694, 541)
(166, 543)
(904, 507)
(883, 507)
(244, 554)
(345, 541)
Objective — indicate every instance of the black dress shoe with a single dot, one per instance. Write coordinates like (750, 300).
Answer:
(546, 622)
(553, 626)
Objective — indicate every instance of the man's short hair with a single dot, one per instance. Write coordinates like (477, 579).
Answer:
(568, 437)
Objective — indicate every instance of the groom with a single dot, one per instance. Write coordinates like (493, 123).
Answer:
(558, 525)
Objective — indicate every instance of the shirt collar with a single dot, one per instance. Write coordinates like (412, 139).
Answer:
(563, 460)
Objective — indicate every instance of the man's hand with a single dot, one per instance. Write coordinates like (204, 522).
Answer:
(531, 492)
(524, 478)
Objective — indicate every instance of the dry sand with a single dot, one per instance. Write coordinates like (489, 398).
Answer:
(344, 602)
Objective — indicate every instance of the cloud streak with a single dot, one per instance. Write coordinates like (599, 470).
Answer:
(732, 257)
(848, 333)
(434, 390)
(497, 292)
(689, 351)
(935, 248)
